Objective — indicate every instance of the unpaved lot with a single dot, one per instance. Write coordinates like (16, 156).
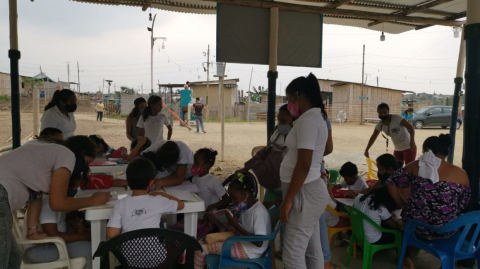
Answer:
(349, 139)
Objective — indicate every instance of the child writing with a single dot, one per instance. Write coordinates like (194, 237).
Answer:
(141, 210)
(351, 179)
(152, 121)
(103, 149)
(254, 220)
(211, 191)
(377, 205)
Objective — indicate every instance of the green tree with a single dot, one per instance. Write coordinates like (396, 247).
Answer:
(127, 90)
(256, 95)
(32, 82)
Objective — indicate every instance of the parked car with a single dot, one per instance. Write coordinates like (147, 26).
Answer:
(435, 116)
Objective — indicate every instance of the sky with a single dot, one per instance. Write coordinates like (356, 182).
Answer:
(112, 43)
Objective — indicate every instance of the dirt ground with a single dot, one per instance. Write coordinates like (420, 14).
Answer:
(349, 139)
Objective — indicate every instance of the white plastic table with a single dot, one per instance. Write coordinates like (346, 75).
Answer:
(109, 169)
(99, 215)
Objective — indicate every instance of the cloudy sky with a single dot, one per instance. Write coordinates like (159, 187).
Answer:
(113, 43)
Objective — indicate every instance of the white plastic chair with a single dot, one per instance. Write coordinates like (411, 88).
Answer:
(63, 262)
(341, 117)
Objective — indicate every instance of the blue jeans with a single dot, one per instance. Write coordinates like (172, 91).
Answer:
(199, 122)
(10, 255)
(327, 255)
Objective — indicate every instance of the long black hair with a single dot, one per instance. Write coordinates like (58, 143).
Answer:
(100, 141)
(136, 109)
(389, 161)
(310, 87)
(380, 197)
(148, 110)
(168, 154)
(438, 144)
(59, 96)
(243, 182)
(82, 146)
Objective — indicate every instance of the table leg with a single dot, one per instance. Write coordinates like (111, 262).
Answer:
(190, 227)
(98, 235)
(171, 219)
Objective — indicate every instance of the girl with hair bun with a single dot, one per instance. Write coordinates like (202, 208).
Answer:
(305, 195)
(439, 191)
(132, 119)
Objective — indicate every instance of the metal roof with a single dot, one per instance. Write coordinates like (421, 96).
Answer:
(391, 16)
(341, 83)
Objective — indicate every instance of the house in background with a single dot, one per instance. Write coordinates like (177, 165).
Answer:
(347, 97)
(26, 88)
(230, 88)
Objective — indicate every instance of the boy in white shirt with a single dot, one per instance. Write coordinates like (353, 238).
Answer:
(141, 210)
(351, 179)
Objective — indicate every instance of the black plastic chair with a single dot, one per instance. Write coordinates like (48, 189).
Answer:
(149, 248)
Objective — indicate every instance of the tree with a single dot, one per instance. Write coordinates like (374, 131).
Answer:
(127, 90)
(256, 95)
(31, 82)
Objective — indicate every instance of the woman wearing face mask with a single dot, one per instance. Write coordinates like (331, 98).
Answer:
(399, 130)
(305, 195)
(133, 117)
(387, 164)
(40, 167)
(59, 113)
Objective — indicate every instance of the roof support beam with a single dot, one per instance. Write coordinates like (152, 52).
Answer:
(340, 12)
(457, 16)
(413, 10)
(147, 4)
(339, 3)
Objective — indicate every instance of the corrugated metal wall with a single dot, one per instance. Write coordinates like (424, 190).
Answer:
(126, 102)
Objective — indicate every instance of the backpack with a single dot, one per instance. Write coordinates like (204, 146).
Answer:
(265, 165)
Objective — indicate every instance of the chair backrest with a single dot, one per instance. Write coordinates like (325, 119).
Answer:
(274, 213)
(334, 176)
(357, 221)
(372, 169)
(151, 248)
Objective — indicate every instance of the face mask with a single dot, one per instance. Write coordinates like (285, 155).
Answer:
(197, 170)
(284, 129)
(141, 110)
(293, 109)
(383, 117)
(242, 206)
(79, 166)
(71, 108)
(71, 193)
(383, 178)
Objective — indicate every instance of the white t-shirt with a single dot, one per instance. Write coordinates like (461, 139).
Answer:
(278, 139)
(398, 133)
(330, 218)
(255, 220)
(382, 213)
(211, 191)
(47, 215)
(184, 159)
(54, 118)
(140, 212)
(30, 167)
(359, 184)
(309, 132)
(154, 126)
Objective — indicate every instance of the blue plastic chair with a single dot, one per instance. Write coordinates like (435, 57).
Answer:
(264, 262)
(451, 249)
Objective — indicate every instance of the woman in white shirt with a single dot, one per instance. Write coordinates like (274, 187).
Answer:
(152, 121)
(40, 167)
(305, 195)
(59, 113)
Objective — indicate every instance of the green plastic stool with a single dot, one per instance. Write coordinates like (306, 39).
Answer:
(358, 235)
(334, 176)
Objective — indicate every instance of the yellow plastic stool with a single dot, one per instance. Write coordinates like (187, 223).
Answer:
(372, 172)
(332, 231)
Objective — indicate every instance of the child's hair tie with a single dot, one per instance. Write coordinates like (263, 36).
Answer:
(240, 177)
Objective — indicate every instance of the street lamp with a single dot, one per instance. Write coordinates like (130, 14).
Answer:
(152, 43)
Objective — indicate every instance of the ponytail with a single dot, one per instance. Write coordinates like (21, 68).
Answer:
(310, 87)
(58, 97)
(151, 101)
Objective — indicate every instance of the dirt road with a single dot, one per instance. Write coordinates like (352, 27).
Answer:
(349, 139)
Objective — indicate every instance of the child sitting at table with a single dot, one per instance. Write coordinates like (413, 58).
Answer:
(351, 179)
(138, 146)
(254, 220)
(141, 210)
(377, 205)
(103, 149)
(211, 191)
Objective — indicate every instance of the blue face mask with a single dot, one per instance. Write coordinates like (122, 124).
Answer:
(242, 206)
(71, 193)
(283, 129)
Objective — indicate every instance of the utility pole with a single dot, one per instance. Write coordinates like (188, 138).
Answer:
(103, 85)
(377, 81)
(208, 77)
(221, 75)
(142, 87)
(109, 83)
(68, 72)
(363, 77)
(44, 90)
(152, 43)
(78, 71)
(250, 84)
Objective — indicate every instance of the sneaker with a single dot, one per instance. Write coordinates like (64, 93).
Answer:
(339, 242)
(204, 132)
(197, 132)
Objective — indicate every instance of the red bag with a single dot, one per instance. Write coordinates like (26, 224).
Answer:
(119, 153)
(100, 181)
(337, 193)
(371, 182)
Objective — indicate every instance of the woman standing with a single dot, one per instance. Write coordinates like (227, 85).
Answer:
(41, 167)
(305, 195)
(133, 117)
(59, 113)
(151, 122)
(440, 191)
(401, 132)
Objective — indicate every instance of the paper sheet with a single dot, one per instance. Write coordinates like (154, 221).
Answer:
(185, 186)
(123, 177)
(182, 195)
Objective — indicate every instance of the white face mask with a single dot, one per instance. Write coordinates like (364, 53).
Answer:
(284, 129)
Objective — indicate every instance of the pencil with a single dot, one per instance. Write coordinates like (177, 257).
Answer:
(97, 187)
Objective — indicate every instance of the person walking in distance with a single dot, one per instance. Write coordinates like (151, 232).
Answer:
(100, 107)
(199, 109)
